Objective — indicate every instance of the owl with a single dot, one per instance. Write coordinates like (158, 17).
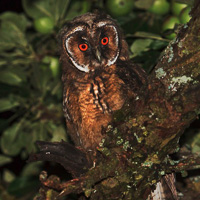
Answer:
(98, 76)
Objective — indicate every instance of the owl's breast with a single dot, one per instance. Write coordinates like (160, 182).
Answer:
(90, 105)
(105, 93)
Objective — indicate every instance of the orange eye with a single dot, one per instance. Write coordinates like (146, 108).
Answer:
(83, 47)
(104, 41)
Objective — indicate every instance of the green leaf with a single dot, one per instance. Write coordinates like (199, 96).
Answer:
(29, 138)
(3, 123)
(59, 8)
(59, 134)
(5, 42)
(158, 44)
(33, 132)
(8, 176)
(75, 9)
(3, 62)
(32, 169)
(23, 185)
(10, 78)
(41, 79)
(10, 144)
(11, 36)
(26, 138)
(37, 8)
(4, 160)
(140, 45)
(7, 104)
(57, 90)
(42, 8)
(18, 19)
(13, 75)
(147, 35)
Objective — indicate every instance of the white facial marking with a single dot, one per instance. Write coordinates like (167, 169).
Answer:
(80, 67)
(78, 28)
(112, 61)
(106, 23)
(100, 24)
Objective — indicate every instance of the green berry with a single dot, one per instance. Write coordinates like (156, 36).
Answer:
(44, 25)
(160, 7)
(184, 15)
(176, 8)
(118, 8)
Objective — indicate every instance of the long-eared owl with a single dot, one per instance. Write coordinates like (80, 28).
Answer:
(98, 77)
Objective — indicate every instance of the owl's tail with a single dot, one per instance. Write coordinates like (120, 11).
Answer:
(71, 158)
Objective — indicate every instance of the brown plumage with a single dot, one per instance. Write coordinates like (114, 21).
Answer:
(98, 76)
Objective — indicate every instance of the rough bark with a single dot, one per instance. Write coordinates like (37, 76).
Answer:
(135, 153)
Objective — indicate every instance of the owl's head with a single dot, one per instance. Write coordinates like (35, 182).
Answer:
(93, 40)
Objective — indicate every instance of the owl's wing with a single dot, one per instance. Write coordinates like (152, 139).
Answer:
(133, 76)
(135, 87)
(71, 111)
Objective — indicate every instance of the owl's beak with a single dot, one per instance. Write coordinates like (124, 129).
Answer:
(98, 55)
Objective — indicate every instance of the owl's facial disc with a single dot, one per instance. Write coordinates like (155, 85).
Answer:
(108, 42)
(91, 46)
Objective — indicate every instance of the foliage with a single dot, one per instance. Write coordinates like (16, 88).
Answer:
(30, 86)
